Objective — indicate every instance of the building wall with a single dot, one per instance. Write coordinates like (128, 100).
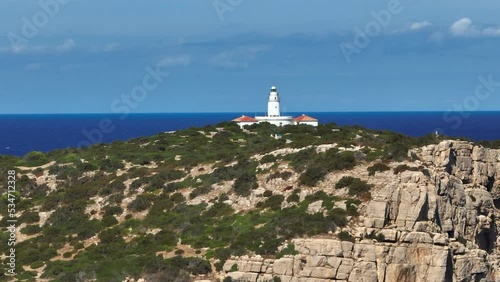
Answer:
(278, 121)
(245, 123)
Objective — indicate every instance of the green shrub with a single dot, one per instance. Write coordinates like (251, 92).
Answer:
(110, 164)
(112, 210)
(35, 158)
(268, 159)
(36, 264)
(234, 268)
(352, 207)
(289, 250)
(109, 220)
(219, 209)
(64, 172)
(345, 236)
(198, 191)
(403, 167)
(358, 188)
(110, 236)
(301, 159)
(171, 174)
(177, 198)
(69, 158)
(285, 175)
(341, 161)
(378, 167)
(273, 202)
(85, 166)
(267, 193)
(38, 172)
(79, 246)
(116, 198)
(318, 195)
(114, 187)
(344, 182)
(31, 229)
(312, 175)
(155, 182)
(245, 183)
(29, 217)
(140, 203)
(331, 160)
(294, 197)
(172, 187)
(338, 217)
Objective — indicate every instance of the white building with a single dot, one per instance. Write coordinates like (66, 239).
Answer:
(274, 114)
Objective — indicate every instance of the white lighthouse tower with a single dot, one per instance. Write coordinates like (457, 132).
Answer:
(273, 103)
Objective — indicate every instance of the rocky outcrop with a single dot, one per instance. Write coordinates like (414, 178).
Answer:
(417, 256)
(436, 221)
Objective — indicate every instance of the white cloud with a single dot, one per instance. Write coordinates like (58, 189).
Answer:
(411, 27)
(491, 31)
(237, 58)
(19, 49)
(68, 45)
(464, 28)
(174, 61)
(419, 25)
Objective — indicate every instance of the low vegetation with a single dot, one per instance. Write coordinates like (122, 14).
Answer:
(378, 167)
(147, 208)
(356, 186)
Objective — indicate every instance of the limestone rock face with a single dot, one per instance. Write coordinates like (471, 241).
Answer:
(434, 222)
(330, 259)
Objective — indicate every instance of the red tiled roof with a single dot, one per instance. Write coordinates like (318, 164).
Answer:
(305, 118)
(245, 119)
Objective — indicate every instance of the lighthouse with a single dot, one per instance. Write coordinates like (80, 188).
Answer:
(273, 103)
(274, 114)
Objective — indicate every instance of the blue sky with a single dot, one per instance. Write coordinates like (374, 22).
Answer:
(224, 55)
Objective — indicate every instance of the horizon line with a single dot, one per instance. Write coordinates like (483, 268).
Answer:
(247, 112)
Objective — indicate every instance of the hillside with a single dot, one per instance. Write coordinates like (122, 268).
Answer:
(221, 203)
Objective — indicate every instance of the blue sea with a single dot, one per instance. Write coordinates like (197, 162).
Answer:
(20, 134)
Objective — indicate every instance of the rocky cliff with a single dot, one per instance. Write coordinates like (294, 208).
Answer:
(429, 219)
